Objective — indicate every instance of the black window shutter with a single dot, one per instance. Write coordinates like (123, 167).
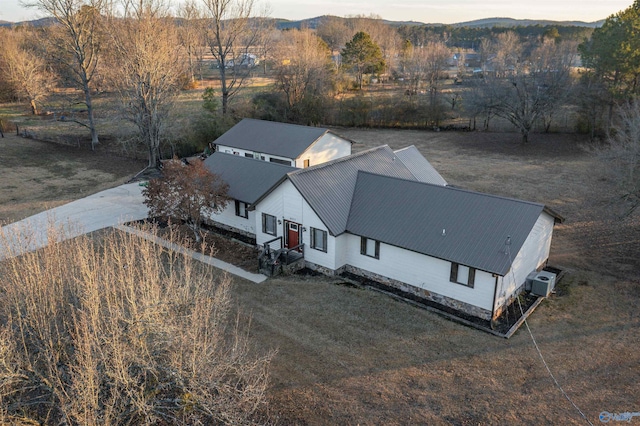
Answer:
(264, 223)
(324, 241)
(472, 277)
(377, 249)
(453, 277)
(237, 208)
(363, 245)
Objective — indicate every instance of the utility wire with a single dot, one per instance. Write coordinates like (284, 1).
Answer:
(535, 344)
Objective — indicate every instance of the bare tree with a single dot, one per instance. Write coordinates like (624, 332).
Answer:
(229, 34)
(267, 38)
(524, 90)
(507, 51)
(150, 69)
(622, 158)
(425, 65)
(24, 69)
(76, 45)
(190, 33)
(335, 32)
(303, 67)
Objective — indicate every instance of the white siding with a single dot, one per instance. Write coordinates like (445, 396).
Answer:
(328, 147)
(228, 217)
(310, 219)
(242, 152)
(421, 271)
(533, 254)
(272, 204)
(286, 203)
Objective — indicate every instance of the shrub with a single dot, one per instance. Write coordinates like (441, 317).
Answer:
(114, 329)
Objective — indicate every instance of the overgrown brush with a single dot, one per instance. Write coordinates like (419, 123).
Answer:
(114, 329)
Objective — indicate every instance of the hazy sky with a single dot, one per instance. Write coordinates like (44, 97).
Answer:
(428, 11)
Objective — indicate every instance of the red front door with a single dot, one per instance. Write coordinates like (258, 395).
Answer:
(293, 234)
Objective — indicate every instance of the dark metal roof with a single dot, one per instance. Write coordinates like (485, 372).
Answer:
(248, 179)
(414, 215)
(419, 166)
(328, 187)
(269, 137)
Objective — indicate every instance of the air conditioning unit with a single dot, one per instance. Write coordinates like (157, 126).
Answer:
(529, 281)
(543, 283)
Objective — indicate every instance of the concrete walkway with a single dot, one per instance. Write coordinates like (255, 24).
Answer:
(110, 208)
(217, 263)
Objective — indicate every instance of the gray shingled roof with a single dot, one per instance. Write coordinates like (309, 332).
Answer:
(412, 215)
(328, 187)
(248, 179)
(269, 137)
(419, 166)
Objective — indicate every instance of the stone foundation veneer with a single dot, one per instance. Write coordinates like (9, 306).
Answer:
(511, 299)
(407, 288)
(230, 229)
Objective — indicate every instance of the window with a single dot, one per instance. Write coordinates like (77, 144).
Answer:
(319, 239)
(248, 154)
(369, 247)
(461, 274)
(241, 209)
(279, 161)
(269, 224)
(306, 163)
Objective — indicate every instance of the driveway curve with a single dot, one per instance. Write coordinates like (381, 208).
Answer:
(110, 208)
(104, 209)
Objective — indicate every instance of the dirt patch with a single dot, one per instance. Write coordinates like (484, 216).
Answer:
(223, 247)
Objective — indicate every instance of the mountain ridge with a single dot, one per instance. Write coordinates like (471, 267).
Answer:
(315, 21)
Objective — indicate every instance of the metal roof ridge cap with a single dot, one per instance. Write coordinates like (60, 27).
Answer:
(283, 123)
(337, 160)
(407, 147)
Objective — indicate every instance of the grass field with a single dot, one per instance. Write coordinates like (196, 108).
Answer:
(352, 356)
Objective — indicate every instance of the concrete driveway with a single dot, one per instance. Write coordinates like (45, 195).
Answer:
(102, 210)
(105, 209)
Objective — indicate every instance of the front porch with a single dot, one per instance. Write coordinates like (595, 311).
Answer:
(275, 259)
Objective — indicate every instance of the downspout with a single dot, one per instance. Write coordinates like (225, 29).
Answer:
(493, 306)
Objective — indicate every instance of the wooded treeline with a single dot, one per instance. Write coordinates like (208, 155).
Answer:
(354, 72)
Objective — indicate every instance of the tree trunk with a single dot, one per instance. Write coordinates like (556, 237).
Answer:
(34, 107)
(92, 125)
(223, 87)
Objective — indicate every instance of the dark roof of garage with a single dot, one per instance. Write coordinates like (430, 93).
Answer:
(248, 179)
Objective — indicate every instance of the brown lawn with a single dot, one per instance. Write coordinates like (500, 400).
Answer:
(37, 175)
(351, 356)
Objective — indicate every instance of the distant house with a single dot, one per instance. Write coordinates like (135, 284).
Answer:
(287, 144)
(374, 215)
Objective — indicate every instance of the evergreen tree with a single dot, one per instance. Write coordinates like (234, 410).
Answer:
(363, 56)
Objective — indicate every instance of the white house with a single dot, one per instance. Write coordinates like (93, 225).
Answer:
(248, 180)
(382, 215)
(288, 144)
